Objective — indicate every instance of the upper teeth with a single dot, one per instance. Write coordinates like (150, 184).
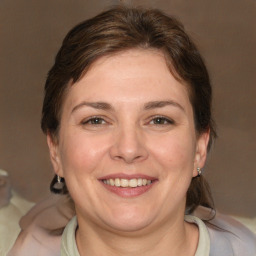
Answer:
(133, 183)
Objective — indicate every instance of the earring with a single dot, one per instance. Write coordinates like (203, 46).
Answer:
(58, 185)
(199, 171)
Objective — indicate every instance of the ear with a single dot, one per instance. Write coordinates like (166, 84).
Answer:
(54, 154)
(201, 151)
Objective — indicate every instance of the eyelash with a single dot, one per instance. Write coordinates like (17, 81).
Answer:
(166, 121)
(93, 119)
(97, 120)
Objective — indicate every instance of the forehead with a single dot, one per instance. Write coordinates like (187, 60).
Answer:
(127, 75)
(131, 61)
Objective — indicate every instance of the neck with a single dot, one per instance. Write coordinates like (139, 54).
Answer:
(171, 238)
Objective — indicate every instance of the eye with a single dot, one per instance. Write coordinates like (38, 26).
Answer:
(94, 121)
(160, 120)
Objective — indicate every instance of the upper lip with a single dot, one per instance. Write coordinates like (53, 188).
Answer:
(127, 176)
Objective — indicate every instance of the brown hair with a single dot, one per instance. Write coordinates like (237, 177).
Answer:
(120, 29)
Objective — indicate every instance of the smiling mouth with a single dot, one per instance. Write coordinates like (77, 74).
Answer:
(127, 183)
(128, 186)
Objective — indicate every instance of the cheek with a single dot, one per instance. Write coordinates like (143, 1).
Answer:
(81, 153)
(175, 152)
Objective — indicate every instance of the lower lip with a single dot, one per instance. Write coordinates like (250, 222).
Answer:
(128, 192)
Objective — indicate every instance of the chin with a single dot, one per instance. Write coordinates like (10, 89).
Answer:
(128, 221)
(128, 226)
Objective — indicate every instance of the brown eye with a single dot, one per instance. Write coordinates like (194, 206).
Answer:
(94, 121)
(161, 121)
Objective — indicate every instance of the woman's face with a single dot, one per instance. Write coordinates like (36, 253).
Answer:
(127, 145)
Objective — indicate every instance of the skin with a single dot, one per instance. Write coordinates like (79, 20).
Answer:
(130, 136)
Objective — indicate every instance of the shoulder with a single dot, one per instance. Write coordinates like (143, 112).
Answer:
(232, 235)
(228, 235)
(42, 227)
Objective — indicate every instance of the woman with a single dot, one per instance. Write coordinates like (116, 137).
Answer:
(127, 114)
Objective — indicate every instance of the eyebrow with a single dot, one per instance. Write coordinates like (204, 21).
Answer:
(161, 104)
(147, 106)
(96, 105)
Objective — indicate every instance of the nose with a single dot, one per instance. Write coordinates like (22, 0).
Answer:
(129, 146)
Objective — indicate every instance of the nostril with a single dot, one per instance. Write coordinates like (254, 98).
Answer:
(128, 145)
(129, 158)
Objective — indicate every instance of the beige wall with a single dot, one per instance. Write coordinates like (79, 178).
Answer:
(31, 32)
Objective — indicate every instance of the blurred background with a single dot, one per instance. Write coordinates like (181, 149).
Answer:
(31, 32)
